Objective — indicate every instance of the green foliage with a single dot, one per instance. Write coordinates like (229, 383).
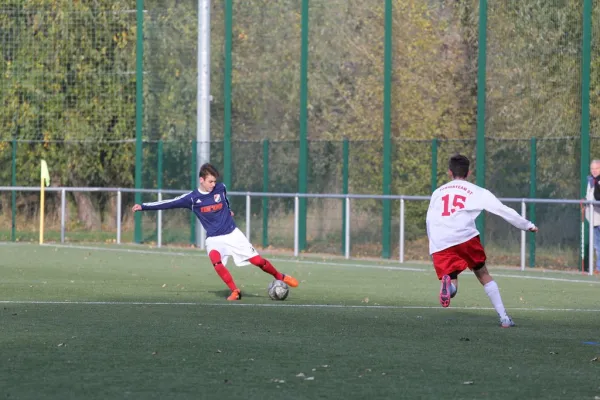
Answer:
(68, 73)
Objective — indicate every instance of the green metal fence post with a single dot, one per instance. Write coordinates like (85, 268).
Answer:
(265, 200)
(303, 160)
(227, 94)
(13, 231)
(387, 131)
(159, 172)
(345, 164)
(139, 112)
(532, 195)
(159, 165)
(480, 148)
(586, 58)
(193, 185)
(434, 164)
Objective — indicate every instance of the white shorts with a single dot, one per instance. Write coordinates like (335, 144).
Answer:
(235, 245)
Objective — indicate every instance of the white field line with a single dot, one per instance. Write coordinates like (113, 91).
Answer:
(280, 304)
(308, 262)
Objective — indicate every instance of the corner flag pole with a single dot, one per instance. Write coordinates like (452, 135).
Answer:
(44, 181)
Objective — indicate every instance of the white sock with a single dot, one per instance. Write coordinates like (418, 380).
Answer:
(491, 289)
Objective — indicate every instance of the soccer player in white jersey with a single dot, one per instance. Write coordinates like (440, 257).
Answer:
(210, 204)
(453, 238)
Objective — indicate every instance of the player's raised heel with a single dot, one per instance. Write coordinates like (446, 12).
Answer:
(290, 280)
(506, 322)
(235, 295)
(445, 291)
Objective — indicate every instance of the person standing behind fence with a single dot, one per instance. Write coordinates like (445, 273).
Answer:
(454, 239)
(210, 204)
(593, 193)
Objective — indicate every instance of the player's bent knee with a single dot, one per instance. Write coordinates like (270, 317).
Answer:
(215, 257)
(479, 266)
(258, 261)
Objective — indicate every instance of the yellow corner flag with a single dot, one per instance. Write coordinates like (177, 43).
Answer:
(45, 173)
(44, 181)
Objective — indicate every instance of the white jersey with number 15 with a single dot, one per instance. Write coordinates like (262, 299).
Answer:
(453, 209)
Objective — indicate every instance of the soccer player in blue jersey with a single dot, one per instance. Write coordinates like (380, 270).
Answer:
(209, 203)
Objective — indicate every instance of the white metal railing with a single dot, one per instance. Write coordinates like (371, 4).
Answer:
(348, 197)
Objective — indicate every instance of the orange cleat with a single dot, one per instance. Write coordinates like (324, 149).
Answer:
(235, 295)
(290, 280)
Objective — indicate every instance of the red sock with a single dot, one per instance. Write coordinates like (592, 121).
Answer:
(266, 266)
(215, 258)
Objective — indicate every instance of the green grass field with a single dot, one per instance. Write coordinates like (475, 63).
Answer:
(110, 322)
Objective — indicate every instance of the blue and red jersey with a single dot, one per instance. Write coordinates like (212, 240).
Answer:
(212, 209)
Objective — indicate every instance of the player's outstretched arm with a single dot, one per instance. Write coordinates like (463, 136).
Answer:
(183, 201)
(495, 206)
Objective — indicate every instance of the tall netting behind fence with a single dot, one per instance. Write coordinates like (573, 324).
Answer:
(266, 70)
(433, 69)
(534, 69)
(345, 83)
(68, 73)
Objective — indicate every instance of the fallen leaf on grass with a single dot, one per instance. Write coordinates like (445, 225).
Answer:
(310, 378)
(218, 351)
(594, 359)
(468, 382)
(553, 352)
(164, 285)
(300, 375)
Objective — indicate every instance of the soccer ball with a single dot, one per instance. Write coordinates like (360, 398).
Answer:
(278, 290)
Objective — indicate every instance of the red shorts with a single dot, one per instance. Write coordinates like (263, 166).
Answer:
(469, 254)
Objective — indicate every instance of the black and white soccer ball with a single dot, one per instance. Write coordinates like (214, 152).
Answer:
(278, 290)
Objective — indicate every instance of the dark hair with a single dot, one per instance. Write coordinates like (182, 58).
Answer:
(459, 166)
(208, 169)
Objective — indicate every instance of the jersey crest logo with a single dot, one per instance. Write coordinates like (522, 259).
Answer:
(198, 201)
(217, 198)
